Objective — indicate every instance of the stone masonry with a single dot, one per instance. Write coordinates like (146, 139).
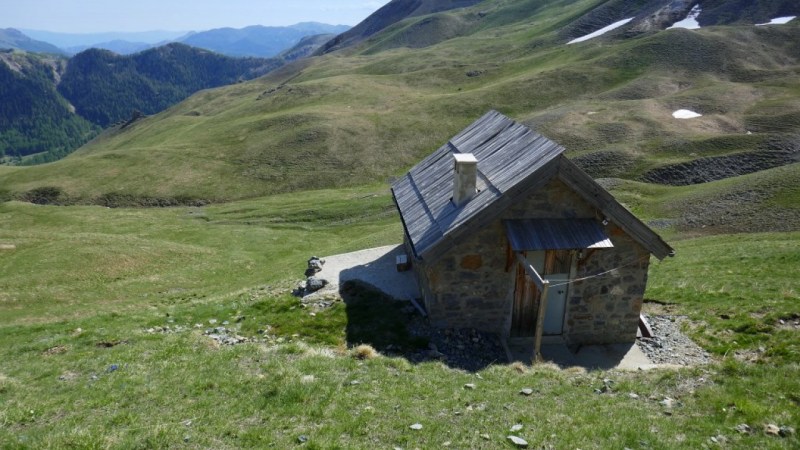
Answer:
(469, 287)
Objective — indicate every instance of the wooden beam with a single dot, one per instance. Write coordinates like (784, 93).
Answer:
(537, 340)
(540, 283)
(644, 327)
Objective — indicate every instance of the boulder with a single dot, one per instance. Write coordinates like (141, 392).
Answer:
(313, 284)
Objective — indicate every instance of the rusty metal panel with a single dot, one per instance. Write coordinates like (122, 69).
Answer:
(556, 234)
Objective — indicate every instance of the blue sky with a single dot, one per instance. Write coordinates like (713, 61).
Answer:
(92, 16)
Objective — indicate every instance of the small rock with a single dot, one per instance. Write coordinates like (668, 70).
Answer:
(416, 426)
(212, 321)
(516, 428)
(518, 441)
(633, 395)
(186, 439)
(526, 391)
(667, 402)
(786, 431)
(302, 439)
(313, 284)
(469, 386)
(718, 439)
(486, 436)
(743, 428)
(772, 429)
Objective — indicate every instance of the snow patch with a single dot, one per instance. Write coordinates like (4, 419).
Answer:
(601, 31)
(690, 22)
(777, 21)
(685, 114)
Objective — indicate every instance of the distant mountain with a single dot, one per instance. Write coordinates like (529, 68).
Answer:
(389, 14)
(69, 40)
(11, 38)
(34, 118)
(258, 40)
(306, 47)
(105, 87)
(117, 46)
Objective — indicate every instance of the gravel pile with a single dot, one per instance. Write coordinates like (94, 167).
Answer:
(466, 349)
(669, 345)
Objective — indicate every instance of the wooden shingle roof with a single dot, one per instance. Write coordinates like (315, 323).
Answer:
(511, 159)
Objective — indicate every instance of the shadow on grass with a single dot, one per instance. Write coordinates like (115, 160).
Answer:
(396, 329)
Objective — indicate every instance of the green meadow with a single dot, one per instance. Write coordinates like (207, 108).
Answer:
(116, 261)
(104, 342)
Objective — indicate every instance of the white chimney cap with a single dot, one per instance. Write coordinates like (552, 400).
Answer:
(465, 158)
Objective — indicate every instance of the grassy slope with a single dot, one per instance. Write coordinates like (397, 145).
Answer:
(81, 277)
(85, 284)
(369, 113)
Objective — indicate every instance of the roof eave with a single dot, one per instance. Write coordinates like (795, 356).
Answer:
(587, 187)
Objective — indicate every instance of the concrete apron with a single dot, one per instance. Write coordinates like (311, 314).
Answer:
(590, 357)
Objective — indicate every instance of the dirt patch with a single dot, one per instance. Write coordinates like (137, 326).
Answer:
(605, 164)
(57, 350)
(746, 210)
(703, 170)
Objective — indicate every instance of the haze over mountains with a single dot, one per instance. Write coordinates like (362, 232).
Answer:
(257, 40)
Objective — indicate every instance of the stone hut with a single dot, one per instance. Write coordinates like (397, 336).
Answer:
(507, 235)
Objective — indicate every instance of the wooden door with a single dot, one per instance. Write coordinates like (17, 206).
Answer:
(523, 317)
(526, 298)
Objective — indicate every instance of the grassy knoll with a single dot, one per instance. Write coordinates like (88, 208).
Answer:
(100, 346)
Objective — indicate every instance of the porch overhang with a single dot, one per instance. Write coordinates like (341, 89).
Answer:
(555, 234)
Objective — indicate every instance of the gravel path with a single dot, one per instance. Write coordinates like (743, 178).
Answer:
(669, 345)
(375, 266)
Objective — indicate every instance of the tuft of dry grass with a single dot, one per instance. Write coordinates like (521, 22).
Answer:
(518, 366)
(365, 351)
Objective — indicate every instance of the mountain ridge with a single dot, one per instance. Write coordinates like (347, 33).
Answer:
(11, 38)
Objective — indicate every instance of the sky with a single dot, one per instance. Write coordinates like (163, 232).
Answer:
(94, 16)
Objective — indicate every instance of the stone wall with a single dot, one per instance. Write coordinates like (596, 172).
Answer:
(606, 308)
(470, 287)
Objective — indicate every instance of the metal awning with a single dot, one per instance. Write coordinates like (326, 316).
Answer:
(555, 234)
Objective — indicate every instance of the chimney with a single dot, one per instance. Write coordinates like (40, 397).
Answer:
(466, 174)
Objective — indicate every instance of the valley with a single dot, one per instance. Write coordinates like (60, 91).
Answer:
(117, 260)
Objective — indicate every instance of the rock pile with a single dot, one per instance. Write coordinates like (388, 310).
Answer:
(669, 345)
(312, 283)
(467, 349)
(225, 336)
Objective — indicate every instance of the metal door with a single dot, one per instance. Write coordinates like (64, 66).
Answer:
(556, 304)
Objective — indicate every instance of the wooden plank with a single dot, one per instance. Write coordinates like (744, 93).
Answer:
(644, 327)
(537, 339)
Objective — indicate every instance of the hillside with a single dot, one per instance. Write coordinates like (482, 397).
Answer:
(105, 87)
(11, 38)
(176, 326)
(389, 14)
(339, 120)
(34, 118)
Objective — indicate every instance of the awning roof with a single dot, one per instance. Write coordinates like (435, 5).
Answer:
(555, 234)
